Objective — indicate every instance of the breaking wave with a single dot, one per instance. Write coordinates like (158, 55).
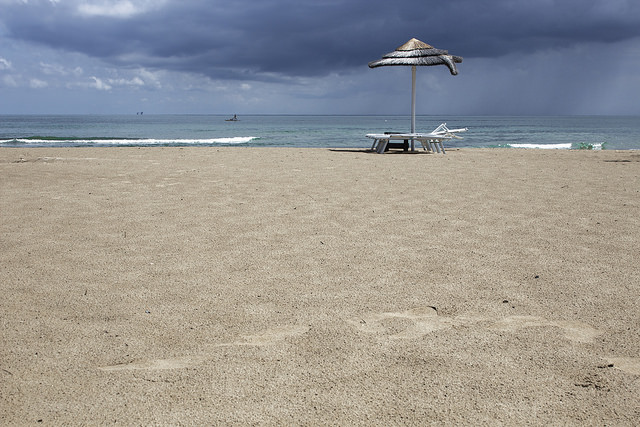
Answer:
(126, 142)
(563, 146)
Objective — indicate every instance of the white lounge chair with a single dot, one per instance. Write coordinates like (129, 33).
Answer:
(431, 142)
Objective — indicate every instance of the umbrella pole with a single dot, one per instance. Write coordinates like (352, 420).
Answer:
(413, 104)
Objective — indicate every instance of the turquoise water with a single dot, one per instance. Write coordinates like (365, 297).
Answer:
(608, 132)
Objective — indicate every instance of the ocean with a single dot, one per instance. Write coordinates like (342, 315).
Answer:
(535, 132)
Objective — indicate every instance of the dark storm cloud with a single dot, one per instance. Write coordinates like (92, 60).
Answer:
(279, 39)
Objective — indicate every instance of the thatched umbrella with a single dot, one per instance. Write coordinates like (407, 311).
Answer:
(414, 53)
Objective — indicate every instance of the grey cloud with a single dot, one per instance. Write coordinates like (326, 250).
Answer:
(274, 39)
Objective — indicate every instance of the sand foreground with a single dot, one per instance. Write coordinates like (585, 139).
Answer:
(311, 286)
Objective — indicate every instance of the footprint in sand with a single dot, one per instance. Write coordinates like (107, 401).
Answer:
(630, 365)
(270, 336)
(158, 364)
(412, 323)
(267, 337)
(418, 322)
(574, 331)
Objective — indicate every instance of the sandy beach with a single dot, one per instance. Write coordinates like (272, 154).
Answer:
(293, 286)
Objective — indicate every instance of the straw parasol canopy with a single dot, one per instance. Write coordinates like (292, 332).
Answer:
(417, 53)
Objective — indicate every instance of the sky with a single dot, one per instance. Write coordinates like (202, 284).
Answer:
(521, 57)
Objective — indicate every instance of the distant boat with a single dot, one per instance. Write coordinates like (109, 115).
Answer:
(232, 119)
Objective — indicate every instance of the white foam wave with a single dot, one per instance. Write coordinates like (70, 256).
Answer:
(152, 141)
(543, 146)
(235, 140)
(135, 142)
(563, 146)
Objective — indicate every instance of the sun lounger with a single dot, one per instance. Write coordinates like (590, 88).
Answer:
(431, 142)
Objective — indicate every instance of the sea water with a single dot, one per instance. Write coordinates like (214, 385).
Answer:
(557, 132)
